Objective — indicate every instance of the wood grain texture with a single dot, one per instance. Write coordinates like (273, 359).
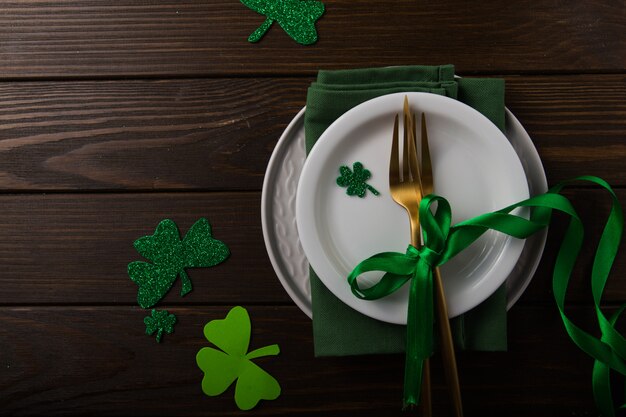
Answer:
(98, 361)
(210, 134)
(97, 38)
(75, 248)
(218, 134)
(116, 115)
(577, 123)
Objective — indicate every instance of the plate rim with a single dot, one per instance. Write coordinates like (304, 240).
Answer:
(280, 149)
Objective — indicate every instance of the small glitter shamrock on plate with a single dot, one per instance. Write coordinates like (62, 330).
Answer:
(159, 322)
(355, 180)
(232, 361)
(170, 256)
(296, 17)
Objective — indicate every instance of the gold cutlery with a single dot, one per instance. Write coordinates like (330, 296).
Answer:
(408, 190)
(405, 190)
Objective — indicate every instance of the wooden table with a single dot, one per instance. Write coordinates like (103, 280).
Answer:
(115, 115)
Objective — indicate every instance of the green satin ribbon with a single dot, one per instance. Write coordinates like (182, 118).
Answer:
(442, 242)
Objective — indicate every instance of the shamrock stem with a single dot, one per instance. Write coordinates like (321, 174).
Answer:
(186, 283)
(258, 34)
(271, 350)
(372, 189)
(159, 335)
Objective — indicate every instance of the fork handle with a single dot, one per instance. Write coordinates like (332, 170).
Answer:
(447, 346)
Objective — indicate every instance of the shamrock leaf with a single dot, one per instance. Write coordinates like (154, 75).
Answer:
(355, 180)
(161, 321)
(170, 256)
(296, 17)
(222, 367)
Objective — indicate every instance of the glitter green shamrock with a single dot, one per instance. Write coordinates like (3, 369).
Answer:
(233, 362)
(161, 321)
(355, 180)
(170, 257)
(296, 17)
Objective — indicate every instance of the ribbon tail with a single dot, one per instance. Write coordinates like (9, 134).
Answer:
(413, 370)
(601, 378)
(601, 384)
(419, 336)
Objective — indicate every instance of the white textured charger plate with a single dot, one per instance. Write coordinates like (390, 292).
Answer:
(279, 217)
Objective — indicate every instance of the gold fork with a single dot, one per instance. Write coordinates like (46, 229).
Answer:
(405, 190)
(447, 346)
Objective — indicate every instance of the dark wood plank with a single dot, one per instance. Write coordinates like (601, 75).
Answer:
(207, 134)
(99, 39)
(577, 123)
(98, 361)
(74, 248)
(218, 134)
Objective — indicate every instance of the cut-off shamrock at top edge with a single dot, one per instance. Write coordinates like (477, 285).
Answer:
(296, 17)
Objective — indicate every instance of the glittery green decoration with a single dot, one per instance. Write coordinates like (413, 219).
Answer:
(159, 322)
(232, 361)
(170, 256)
(355, 180)
(296, 17)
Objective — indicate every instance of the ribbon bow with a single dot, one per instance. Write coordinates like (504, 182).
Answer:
(416, 265)
(442, 242)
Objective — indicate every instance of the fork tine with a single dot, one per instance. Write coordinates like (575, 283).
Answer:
(405, 143)
(427, 168)
(414, 125)
(414, 164)
(394, 168)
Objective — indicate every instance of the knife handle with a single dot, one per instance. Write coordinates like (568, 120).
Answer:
(447, 346)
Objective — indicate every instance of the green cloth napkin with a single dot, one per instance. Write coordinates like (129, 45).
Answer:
(338, 329)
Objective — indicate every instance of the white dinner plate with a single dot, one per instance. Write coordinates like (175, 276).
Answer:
(474, 167)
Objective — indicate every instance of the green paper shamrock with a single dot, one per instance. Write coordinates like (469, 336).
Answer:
(161, 321)
(296, 17)
(222, 367)
(356, 180)
(170, 257)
